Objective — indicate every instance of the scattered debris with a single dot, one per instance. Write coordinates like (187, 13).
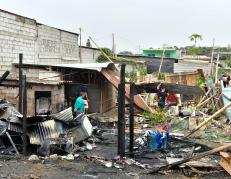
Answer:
(70, 157)
(33, 158)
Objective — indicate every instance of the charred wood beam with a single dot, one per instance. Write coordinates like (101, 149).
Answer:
(4, 76)
(20, 83)
(172, 88)
(24, 124)
(121, 113)
(131, 122)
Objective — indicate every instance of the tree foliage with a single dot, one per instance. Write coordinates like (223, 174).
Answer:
(194, 37)
(102, 57)
(132, 76)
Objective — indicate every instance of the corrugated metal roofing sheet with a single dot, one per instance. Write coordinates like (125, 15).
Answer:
(45, 130)
(191, 66)
(90, 66)
(65, 115)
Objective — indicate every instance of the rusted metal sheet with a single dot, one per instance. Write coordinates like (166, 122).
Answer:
(114, 79)
(45, 130)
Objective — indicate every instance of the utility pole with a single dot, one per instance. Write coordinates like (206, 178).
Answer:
(113, 44)
(80, 44)
(161, 62)
(212, 57)
(216, 78)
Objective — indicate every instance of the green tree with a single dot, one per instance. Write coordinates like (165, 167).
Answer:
(195, 37)
(102, 57)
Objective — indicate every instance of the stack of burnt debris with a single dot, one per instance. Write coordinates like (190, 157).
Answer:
(59, 131)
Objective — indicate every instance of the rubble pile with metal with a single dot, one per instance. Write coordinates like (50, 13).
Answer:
(56, 129)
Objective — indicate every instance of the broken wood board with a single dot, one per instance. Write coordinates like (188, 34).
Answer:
(115, 80)
(170, 87)
(201, 163)
(191, 158)
(225, 161)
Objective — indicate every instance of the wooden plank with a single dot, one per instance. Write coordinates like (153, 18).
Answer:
(225, 155)
(226, 165)
(196, 157)
(210, 118)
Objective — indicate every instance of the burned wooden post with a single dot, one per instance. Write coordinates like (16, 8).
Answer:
(20, 83)
(24, 107)
(121, 113)
(4, 76)
(131, 118)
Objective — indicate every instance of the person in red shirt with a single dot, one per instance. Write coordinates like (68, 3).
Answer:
(172, 99)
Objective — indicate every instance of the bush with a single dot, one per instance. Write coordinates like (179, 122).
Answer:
(132, 76)
(160, 116)
(102, 57)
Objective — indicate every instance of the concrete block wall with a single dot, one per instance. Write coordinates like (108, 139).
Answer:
(89, 55)
(40, 44)
(57, 96)
(56, 47)
(17, 35)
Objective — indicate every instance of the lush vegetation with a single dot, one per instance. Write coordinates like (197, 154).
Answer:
(132, 76)
(102, 57)
(207, 51)
(160, 116)
(200, 81)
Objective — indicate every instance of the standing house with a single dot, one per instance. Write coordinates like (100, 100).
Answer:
(168, 53)
(47, 51)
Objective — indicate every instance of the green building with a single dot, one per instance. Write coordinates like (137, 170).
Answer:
(168, 53)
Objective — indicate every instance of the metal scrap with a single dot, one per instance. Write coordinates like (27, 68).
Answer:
(65, 115)
(14, 127)
(45, 130)
(9, 113)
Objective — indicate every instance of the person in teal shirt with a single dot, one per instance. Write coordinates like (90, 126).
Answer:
(79, 103)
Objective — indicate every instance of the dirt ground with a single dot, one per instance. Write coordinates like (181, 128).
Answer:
(84, 168)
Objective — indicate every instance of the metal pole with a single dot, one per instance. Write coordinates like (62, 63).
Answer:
(121, 113)
(20, 83)
(131, 118)
(24, 124)
(12, 143)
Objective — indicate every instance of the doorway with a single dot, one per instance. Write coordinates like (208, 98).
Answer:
(42, 102)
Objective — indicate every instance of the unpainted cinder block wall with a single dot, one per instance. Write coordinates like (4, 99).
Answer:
(57, 96)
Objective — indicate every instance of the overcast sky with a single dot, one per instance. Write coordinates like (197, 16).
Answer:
(136, 23)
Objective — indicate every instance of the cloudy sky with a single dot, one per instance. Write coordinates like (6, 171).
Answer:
(136, 23)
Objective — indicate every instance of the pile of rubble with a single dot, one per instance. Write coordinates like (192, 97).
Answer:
(60, 131)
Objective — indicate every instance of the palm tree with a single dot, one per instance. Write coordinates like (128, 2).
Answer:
(194, 38)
